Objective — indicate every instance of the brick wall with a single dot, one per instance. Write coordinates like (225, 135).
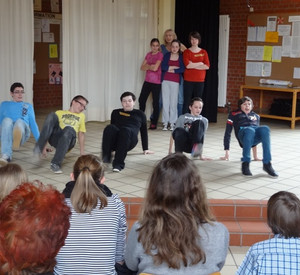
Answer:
(46, 95)
(238, 12)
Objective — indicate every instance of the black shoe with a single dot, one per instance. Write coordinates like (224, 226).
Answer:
(269, 169)
(245, 169)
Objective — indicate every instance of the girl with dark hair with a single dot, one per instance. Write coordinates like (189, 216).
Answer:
(96, 238)
(172, 69)
(196, 63)
(176, 233)
(152, 83)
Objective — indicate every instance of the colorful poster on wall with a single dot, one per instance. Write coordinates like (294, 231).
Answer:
(53, 53)
(55, 73)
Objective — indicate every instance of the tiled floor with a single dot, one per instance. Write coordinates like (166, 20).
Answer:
(223, 179)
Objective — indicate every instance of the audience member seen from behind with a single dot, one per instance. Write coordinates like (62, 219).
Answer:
(17, 118)
(34, 222)
(11, 175)
(196, 63)
(249, 133)
(190, 130)
(172, 69)
(60, 130)
(152, 83)
(281, 254)
(96, 239)
(176, 233)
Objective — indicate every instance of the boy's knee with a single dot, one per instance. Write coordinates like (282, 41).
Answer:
(7, 122)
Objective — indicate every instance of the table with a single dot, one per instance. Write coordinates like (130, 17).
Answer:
(262, 88)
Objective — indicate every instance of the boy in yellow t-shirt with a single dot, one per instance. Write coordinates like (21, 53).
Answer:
(60, 130)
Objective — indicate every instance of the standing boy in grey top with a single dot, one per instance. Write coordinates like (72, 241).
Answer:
(190, 129)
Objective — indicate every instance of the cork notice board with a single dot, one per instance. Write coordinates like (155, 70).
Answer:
(273, 48)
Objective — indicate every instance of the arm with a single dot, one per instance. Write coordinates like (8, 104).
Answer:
(33, 125)
(81, 139)
(171, 144)
(122, 229)
(131, 252)
(145, 66)
(197, 66)
(155, 66)
(227, 137)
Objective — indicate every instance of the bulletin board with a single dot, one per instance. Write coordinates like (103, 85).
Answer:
(273, 48)
(43, 52)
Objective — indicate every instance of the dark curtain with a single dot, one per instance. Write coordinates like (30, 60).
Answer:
(202, 16)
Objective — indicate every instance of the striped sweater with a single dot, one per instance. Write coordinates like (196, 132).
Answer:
(95, 241)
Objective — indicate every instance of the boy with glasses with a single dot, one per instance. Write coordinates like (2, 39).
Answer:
(60, 130)
(17, 121)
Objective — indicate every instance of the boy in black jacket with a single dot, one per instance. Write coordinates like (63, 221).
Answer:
(249, 133)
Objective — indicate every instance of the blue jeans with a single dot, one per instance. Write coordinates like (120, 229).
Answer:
(7, 129)
(251, 136)
(62, 139)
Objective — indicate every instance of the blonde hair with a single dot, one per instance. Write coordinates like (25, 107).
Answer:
(87, 170)
(173, 33)
(11, 175)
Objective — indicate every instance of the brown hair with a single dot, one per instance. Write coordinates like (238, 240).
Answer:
(11, 175)
(284, 214)
(87, 170)
(243, 100)
(175, 200)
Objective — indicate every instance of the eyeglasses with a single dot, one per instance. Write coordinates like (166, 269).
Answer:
(81, 104)
(19, 92)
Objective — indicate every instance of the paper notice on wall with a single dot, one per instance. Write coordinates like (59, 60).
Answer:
(286, 46)
(271, 23)
(268, 53)
(295, 47)
(276, 54)
(251, 34)
(255, 53)
(272, 37)
(48, 37)
(261, 34)
(284, 30)
(296, 74)
(296, 29)
(258, 69)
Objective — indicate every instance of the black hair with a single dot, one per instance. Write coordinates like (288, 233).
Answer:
(128, 94)
(16, 85)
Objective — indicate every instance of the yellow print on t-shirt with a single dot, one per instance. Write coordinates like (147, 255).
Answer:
(74, 120)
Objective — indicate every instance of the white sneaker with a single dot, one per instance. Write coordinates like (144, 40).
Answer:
(4, 159)
(55, 168)
(116, 170)
(172, 127)
(165, 127)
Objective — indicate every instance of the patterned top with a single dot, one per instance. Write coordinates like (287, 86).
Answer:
(95, 241)
(74, 120)
(274, 256)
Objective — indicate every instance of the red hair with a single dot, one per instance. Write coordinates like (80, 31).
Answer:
(34, 222)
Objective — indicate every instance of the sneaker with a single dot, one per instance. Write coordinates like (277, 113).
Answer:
(152, 126)
(267, 167)
(245, 169)
(165, 127)
(172, 127)
(55, 168)
(116, 170)
(196, 150)
(4, 159)
(17, 136)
